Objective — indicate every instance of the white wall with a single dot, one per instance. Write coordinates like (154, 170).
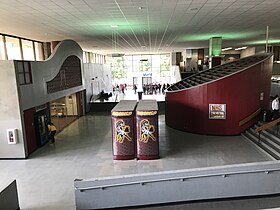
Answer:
(175, 74)
(98, 77)
(11, 116)
(44, 71)
(248, 52)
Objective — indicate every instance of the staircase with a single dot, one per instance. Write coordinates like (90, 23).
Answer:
(268, 141)
(217, 72)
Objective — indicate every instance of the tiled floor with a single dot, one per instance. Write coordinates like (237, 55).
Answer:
(84, 150)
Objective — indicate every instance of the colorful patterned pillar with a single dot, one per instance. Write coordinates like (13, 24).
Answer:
(147, 130)
(123, 130)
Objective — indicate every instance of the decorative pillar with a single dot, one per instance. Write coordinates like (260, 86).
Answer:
(215, 50)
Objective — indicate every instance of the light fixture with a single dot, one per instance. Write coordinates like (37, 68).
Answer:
(114, 26)
(140, 8)
(241, 48)
(228, 48)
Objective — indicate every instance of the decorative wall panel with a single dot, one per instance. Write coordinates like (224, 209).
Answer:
(69, 76)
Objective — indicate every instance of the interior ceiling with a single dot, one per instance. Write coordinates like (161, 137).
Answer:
(146, 26)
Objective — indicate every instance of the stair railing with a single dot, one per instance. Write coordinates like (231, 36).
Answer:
(250, 117)
(267, 126)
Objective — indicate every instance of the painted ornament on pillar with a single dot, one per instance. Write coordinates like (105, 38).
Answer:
(122, 131)
(147, 131)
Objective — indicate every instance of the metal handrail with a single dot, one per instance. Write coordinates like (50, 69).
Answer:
(266, 171)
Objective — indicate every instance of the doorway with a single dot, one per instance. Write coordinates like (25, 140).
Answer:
(146, 80)
(65, 110)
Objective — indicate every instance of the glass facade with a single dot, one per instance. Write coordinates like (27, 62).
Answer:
(2, 48)
(27, 49)
(64, 110)
(39, 51)
(139, 69)
(13, 48)
(89, 57)
(20, 49)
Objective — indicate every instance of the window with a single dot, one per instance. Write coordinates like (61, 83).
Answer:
(2, 49)
(24, 72)
(165, 62)
(135, 66)
(90, 57)
(39, 51)
(13, 48)
(27, 49)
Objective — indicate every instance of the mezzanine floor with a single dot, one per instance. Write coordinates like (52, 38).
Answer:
(84, 150)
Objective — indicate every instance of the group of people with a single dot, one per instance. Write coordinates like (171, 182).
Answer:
(155, 88)
(120, 88)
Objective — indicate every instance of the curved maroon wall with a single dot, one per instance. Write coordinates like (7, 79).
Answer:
(188, 109)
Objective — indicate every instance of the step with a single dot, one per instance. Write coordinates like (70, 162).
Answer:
(264, 147)
(272, 130)
(269, 135)
(266, 140)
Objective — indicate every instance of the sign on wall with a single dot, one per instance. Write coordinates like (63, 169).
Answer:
(217, 111)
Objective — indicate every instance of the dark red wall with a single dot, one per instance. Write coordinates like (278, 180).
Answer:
(30, 130)
(188, 110)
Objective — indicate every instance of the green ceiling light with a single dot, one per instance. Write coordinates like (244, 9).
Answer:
(271, 41)
(224, 35)
(114, 26)
(215, 46)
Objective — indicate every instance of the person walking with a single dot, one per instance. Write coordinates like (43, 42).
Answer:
(275, 108)
(135, 88)
(52, 132)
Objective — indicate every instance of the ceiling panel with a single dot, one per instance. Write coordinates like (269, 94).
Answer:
(171, 25)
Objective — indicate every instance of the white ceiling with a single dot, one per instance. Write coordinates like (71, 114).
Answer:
(143, 25)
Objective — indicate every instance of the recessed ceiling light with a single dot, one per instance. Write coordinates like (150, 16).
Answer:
(114, 26)
(140, 8)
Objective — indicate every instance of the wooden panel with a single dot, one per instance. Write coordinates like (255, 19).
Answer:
(30, 130)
